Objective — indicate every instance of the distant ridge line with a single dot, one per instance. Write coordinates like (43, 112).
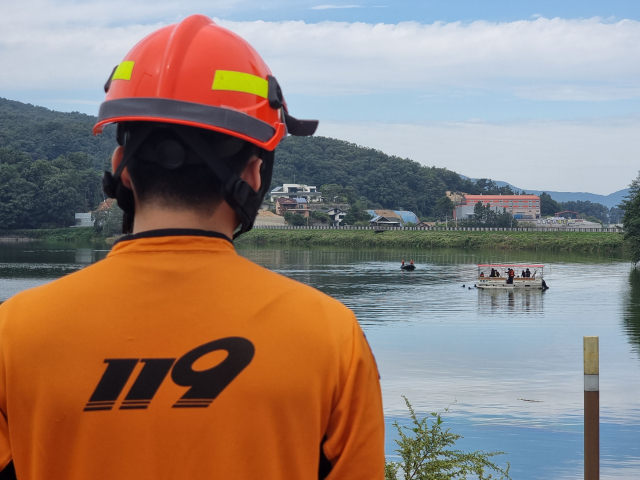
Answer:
(612, 200)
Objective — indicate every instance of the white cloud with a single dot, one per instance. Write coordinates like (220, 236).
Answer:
(592, 156)
(73, 44)
(535, 59)
(328, 7)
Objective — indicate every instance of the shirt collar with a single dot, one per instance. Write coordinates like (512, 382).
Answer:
(173, 232)
(176, 239)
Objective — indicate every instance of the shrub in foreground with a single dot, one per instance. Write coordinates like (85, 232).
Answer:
(425, 450)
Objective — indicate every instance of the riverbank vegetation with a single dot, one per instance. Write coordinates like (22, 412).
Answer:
(75, 235)
(631, 220)
(543, 241)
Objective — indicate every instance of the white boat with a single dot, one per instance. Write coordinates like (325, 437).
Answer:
(532, 279)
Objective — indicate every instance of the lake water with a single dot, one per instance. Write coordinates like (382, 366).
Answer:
(508, 365)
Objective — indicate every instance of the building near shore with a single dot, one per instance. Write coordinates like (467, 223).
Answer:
(296, 190)
(467, 212)
(525, 207)
(83, 220)
(295, 205)
(392, 218)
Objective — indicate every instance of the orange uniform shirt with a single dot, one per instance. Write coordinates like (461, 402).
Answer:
(175, 358)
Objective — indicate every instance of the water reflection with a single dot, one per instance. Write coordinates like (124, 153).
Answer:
(27, 266)
(524, 301)
(631, 318)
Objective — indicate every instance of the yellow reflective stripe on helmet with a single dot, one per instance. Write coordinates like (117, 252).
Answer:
(240, 82)
(124, 71)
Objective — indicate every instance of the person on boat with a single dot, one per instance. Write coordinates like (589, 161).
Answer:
(493, 273)
(411, 262)
(528, 272)
(511, 275)
(129, 389)
(524, 274)
(481, 274)
(402, 264)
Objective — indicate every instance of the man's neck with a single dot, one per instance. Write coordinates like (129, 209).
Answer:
(152, 217)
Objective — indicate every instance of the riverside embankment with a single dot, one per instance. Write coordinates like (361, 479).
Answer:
(79, 235)
(503, 240)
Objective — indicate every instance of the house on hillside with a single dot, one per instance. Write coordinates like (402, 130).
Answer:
(336, 216)
(392, 218)
(295, 190)
(295, 205)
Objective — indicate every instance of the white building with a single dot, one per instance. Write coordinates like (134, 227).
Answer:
(295, 190)
(83, 220)
(337, 216)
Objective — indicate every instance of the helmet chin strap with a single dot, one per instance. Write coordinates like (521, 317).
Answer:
(112, 183)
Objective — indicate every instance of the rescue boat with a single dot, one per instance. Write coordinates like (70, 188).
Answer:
(535, 280)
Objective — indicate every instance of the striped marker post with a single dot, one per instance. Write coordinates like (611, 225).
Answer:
(591, 408)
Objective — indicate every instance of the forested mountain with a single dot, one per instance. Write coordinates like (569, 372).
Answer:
(50, 166)
(42, 193)
(46, 134)
(385, 181)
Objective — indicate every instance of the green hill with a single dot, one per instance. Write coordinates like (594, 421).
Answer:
(381, 180)
(46, 134)
(390, 182)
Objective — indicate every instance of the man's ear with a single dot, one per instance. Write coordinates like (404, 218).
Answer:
(116, 158)
(251, 173)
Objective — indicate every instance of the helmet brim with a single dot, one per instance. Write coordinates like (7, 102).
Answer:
(224, 120)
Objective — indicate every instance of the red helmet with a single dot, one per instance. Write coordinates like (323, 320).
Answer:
(199, 74)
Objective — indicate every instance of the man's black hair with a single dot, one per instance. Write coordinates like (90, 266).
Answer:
(166, 170)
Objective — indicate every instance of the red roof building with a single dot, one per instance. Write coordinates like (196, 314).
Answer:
(525, 207)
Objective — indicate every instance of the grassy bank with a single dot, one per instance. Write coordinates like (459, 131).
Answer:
(544, 241)
(79, 234)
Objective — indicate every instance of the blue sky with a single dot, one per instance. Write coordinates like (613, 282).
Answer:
(544, 95)
(381, 11)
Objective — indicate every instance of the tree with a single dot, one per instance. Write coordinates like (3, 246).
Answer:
(425, 450)
(489, 187)
(587, 208)
(615, 214)
(108, 221)
(334, 193)
(485, 216)
(480, 213)
(295, 219)
(357, 213)
(42, 193)
(548, 206)
(444, 207)
(320, 216)
(631, 219)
